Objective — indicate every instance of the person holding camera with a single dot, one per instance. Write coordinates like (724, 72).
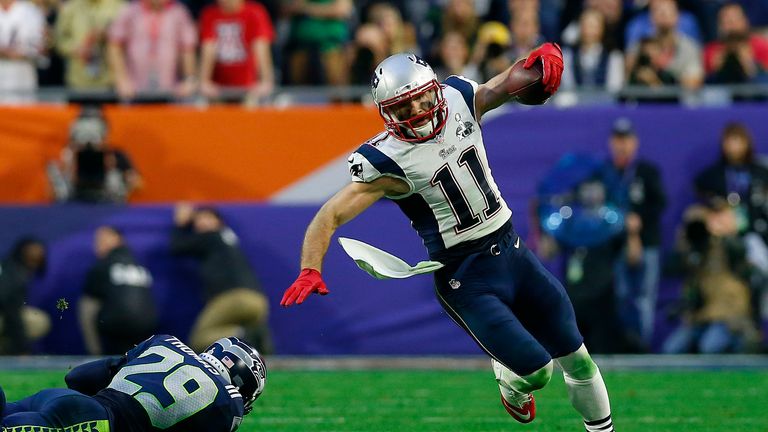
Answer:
(738, 56)
(668, 52)
(117, 309)
(90, 170)
(716, 312)
(20, 323)
(235, 304)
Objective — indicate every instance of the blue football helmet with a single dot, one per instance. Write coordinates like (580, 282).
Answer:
(241, 364)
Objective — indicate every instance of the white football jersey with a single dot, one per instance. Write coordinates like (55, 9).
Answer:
(452, 197)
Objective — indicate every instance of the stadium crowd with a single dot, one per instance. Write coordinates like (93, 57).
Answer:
(181, 48)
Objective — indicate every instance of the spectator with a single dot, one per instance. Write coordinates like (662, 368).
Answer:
(319, 30)
(384, 34)
(671, 52)
(234, 302)
(149, 42)
(89, 169)
(81, 37)
(524, 28)
(648, 67)
(236, 36)
(635, 186)
(460, 16)
(50, 65)
(117, 309)
(489, 52)
(589, 64)
(588, 263)
(22, 28)
(21, 324)
(716, 314)
(644, 24)
(614, 21)
(453, 58)
(398, 34)
(738, 56)
(577, 222)
(368, 49)
(739, 179)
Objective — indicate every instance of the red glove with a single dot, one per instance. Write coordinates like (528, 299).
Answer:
(309, 281)
(552, 61)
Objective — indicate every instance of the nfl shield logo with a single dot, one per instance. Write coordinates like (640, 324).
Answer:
(454, 283)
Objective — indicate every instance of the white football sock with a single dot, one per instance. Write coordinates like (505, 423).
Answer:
(586, 390)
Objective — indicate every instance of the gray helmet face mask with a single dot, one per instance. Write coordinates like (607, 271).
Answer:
(398, 81)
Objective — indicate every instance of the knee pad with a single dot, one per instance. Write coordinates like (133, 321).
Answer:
(578, 364)
(540, 378)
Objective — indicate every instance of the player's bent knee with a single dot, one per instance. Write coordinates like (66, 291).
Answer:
(540, 378)
(578, 364)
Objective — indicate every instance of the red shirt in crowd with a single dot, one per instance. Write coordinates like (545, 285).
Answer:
(759, 51)
(234, 34)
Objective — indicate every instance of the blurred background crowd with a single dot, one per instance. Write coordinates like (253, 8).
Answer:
(243, 50)
(654, 215)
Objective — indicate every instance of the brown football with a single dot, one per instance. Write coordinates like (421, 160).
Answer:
(525, 84)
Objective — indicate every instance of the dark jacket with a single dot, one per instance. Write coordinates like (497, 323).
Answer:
(223, 264)
(14, 280)
(639, 189)
(124, 288)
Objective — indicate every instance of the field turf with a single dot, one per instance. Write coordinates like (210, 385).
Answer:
(403, 401)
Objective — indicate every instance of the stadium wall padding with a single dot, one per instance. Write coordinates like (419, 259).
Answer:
(363, 315)
(221, 153)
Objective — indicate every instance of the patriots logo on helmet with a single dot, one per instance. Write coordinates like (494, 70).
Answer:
(419, 61)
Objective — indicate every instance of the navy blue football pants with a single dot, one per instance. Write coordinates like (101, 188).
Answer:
(510, 304)
(63, 409)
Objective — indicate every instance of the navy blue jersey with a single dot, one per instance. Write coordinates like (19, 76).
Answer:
(163, 385)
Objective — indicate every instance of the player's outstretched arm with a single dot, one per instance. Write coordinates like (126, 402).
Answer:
(340, 209)
(496, 91)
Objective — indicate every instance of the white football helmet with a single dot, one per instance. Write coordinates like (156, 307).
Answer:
(409, 98)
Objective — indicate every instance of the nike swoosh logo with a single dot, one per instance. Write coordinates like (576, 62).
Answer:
(527, 415)
(517, 243)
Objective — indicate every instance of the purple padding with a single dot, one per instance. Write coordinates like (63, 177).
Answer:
(363, 315)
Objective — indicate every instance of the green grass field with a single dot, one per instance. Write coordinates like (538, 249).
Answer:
(402, 401)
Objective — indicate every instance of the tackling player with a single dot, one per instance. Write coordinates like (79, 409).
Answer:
(431, 161)
(161, 384)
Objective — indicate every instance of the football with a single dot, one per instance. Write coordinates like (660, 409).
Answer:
(525, 84)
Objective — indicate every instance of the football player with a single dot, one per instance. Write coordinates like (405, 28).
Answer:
(161, 384)
(431, 161)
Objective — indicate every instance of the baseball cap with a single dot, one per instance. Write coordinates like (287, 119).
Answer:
(622, 126)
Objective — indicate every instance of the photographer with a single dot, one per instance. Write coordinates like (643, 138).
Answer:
(117, 309)
(89, 170)
(716, 313)
(648, 69)
(738, 56)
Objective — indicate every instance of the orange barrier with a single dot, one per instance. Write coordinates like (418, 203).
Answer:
(184, 153)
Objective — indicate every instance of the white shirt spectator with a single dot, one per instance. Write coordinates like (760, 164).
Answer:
(21, 39)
